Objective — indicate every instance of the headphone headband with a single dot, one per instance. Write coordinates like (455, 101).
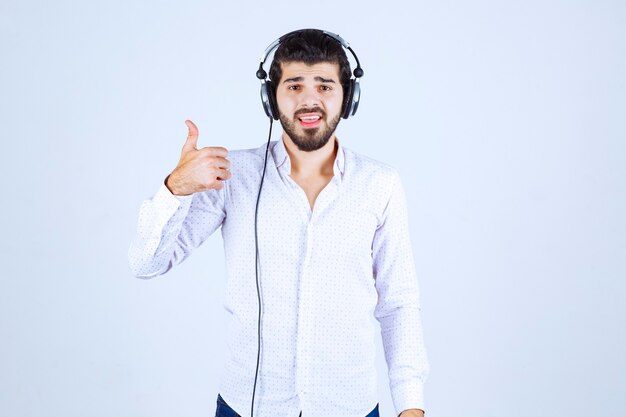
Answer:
(336, 37)
(268, 98)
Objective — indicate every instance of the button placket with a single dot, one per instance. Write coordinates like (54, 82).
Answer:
(306, 311)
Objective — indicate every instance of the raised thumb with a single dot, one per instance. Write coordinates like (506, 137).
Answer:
(192, 137)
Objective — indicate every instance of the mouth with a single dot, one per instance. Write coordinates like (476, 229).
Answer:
(310, 120)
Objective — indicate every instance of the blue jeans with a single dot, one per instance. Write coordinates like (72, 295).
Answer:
(224, 410)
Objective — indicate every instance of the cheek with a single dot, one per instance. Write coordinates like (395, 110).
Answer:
(336, 102)
(285, 104)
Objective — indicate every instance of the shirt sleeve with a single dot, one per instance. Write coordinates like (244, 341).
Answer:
(170, 227)
(398, 309)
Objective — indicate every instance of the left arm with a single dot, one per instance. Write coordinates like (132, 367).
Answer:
(398, 309)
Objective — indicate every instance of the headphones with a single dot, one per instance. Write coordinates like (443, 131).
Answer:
(352, 91)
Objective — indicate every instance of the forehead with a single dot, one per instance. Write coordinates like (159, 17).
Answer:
(300, 69)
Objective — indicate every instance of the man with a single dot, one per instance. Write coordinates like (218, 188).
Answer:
(333, 248)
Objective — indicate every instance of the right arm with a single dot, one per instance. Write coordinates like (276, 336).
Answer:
(187, 208)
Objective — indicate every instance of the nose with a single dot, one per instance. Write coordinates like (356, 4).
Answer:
(310, 97)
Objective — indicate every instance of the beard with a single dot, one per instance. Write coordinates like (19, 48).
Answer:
(310, 139)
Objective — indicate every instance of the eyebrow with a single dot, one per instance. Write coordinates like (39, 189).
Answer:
(318, 78)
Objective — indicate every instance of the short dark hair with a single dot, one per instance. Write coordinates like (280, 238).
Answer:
(311, 46)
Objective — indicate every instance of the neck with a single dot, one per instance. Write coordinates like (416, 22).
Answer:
(319, 162)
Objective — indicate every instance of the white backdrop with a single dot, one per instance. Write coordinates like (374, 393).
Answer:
(505, 119)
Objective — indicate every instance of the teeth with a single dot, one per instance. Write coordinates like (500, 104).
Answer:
(309, 118)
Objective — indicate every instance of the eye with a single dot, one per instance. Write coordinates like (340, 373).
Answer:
(293, 87)
(325, 88)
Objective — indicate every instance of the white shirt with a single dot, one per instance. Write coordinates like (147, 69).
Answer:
(323, 274)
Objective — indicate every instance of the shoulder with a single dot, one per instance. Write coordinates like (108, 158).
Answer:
(248, 154)
(377, 180)
(369, 169)
(246, 159)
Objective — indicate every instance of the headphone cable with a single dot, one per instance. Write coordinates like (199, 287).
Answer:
(256, 264)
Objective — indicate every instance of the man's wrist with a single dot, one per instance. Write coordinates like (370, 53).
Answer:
(169, 186)
(412, 412)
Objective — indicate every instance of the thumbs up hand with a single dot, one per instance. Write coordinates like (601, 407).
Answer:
(198, 169)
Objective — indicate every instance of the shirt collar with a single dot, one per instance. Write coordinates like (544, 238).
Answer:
(281, 158)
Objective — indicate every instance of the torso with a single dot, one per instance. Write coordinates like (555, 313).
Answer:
(312, 186)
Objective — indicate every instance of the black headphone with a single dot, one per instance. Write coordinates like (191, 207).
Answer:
(352, 91)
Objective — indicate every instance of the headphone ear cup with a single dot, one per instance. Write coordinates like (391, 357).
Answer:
(271, 95)
(356, 96)
(348, 92)
(265, 99)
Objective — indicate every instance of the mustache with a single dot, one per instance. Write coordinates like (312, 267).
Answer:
(311, 110)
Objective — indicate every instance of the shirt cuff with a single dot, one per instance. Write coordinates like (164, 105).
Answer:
(167, 203)
(408, 395)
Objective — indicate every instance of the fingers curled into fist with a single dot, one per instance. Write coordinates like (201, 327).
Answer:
(199, 169)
